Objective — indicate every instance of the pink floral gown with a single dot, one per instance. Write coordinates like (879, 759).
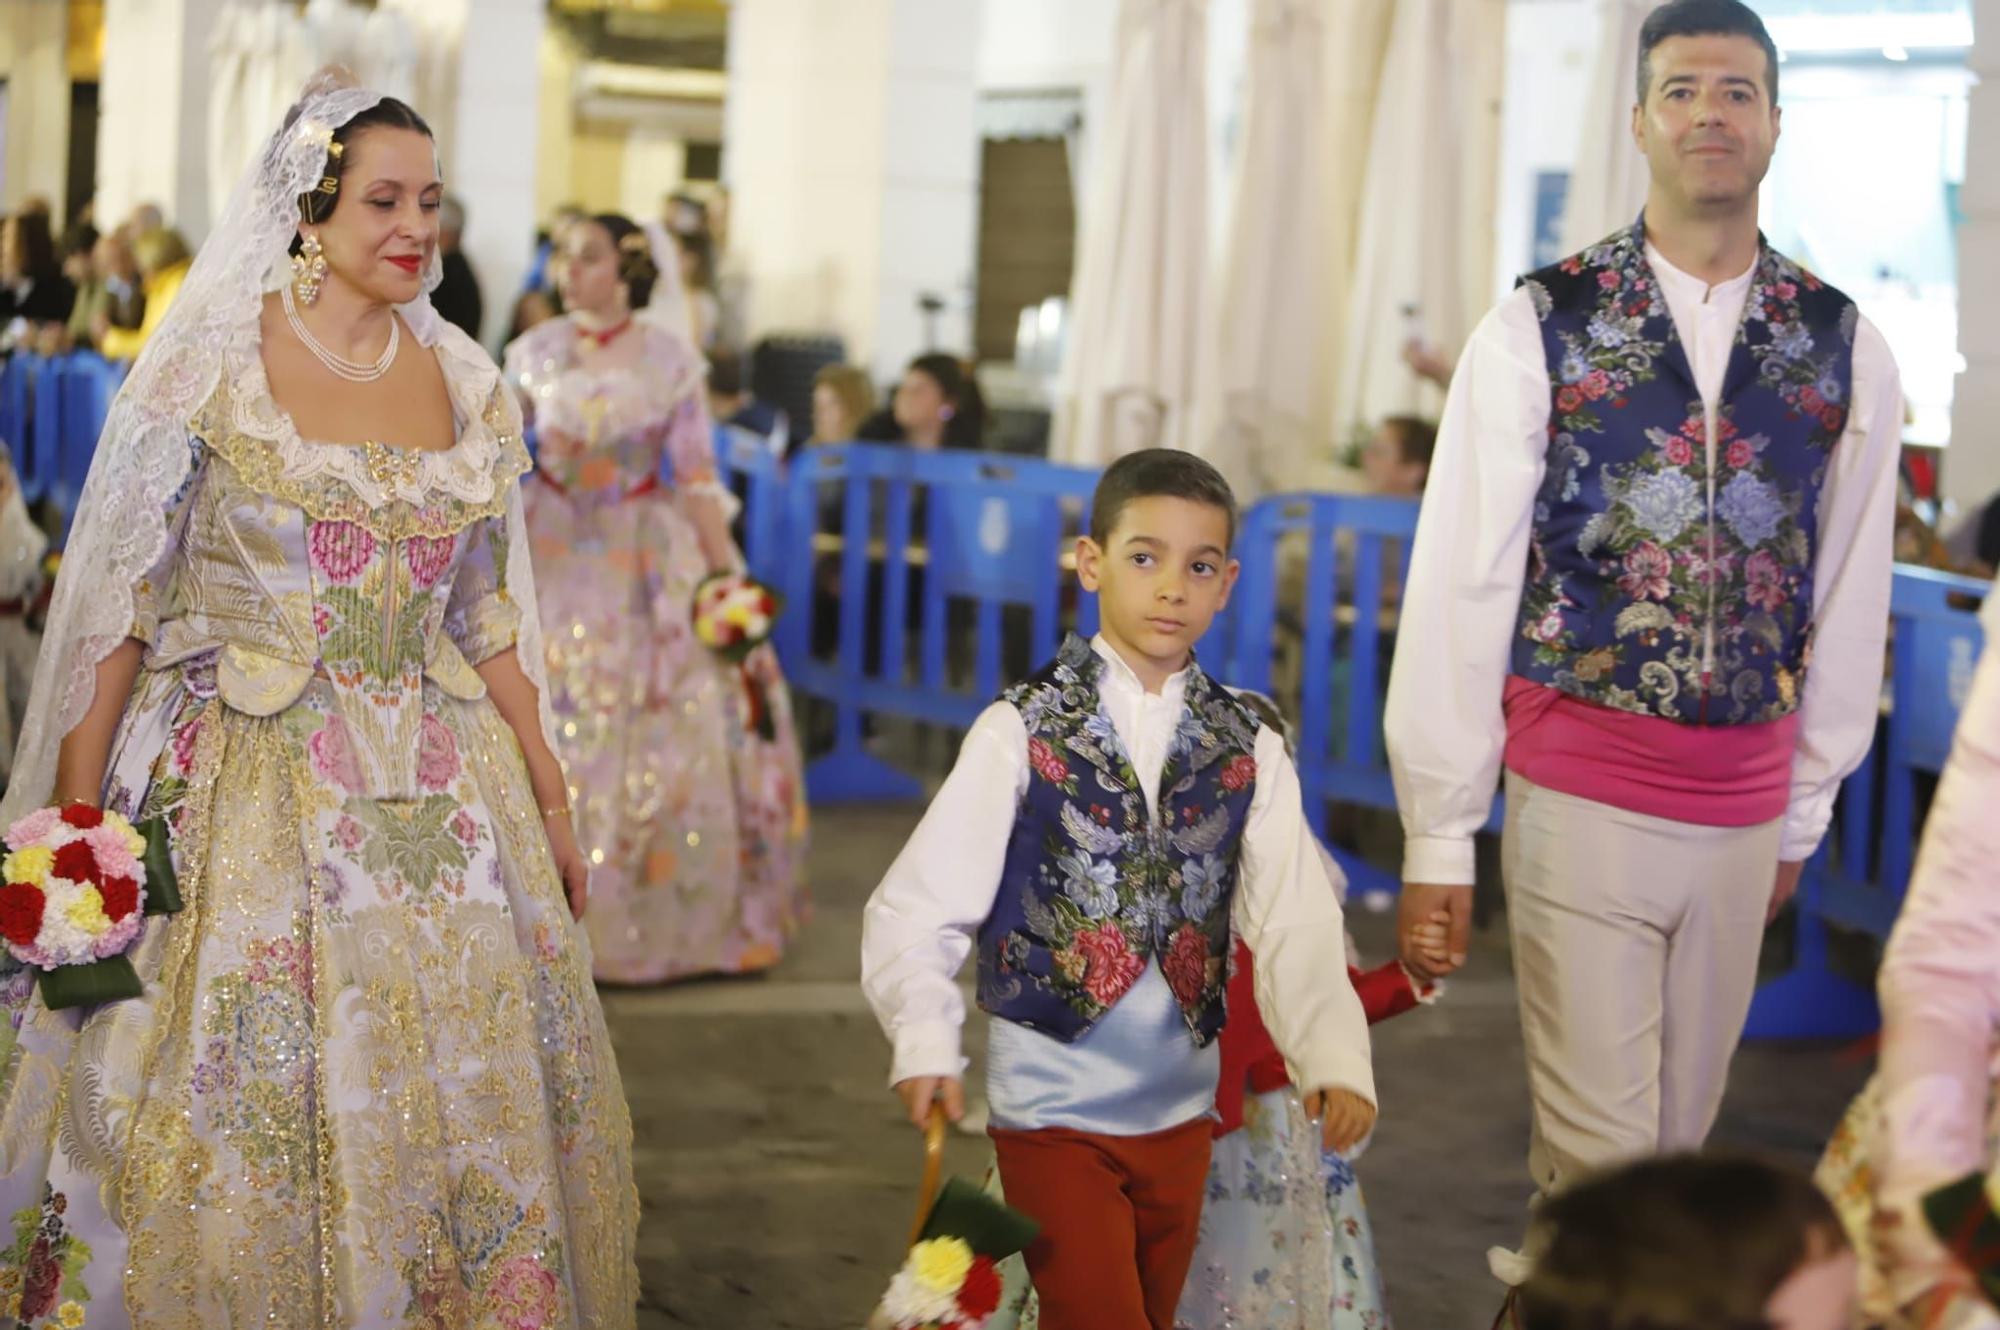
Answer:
(694, 826)
(368, 1084)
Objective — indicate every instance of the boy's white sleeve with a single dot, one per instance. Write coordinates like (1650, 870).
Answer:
(920, 923)
(1288, 913)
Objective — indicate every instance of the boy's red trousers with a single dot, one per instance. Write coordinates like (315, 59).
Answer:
(1119, 1217)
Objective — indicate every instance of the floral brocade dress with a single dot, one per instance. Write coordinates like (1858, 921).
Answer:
(369, 1083)
(694, 825)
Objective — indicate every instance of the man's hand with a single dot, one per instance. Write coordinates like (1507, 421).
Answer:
(918, 1092)
(1786, 887)
(1420, 907)
(1344, 1118)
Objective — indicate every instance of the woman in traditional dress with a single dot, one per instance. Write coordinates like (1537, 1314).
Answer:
(1927, 1119)
(694, 821)
(368, 1083)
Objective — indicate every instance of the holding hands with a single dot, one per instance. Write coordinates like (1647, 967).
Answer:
(1433, 926)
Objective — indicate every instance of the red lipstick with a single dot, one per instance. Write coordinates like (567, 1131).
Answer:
(407, 262)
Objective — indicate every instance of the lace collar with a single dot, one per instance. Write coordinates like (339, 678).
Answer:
(397, 491)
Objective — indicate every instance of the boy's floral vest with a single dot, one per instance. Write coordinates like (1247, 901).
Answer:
(1092, 888)
(1658, 584)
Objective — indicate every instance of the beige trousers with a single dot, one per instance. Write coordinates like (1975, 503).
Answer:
(1635, 955)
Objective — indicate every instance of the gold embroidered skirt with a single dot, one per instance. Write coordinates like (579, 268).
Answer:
(368, 1084)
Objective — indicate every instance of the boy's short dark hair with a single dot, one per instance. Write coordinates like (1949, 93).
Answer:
(1158, 473)
(1684, 1242)
(1705, 18)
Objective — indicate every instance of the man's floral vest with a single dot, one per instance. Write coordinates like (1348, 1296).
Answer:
(1093, 888)
(1661, 581)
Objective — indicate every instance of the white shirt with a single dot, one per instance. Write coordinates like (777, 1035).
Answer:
(1444, 726)
(920, 924)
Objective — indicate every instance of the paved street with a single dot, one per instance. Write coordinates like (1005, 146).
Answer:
(777, 1176)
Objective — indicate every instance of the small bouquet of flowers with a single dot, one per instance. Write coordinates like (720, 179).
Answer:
(734, 614)
(951, 1280)
(78, 882)
(944, 1285)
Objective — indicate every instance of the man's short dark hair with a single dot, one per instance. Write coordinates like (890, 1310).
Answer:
(1705, 18)
(1158, 473)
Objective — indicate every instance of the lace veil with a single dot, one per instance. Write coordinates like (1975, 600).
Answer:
(143, 456)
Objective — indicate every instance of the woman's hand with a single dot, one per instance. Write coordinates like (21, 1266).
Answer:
(570, 863)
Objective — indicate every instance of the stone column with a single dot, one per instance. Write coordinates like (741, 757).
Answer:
(152, 128)
(1972, 463)
(852, 158)
(34, 38)
(489, 160)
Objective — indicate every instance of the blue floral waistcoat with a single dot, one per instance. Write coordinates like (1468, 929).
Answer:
(1641, 553)
(1093, 889)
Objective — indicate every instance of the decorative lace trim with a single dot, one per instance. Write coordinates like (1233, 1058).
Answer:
(394, 493)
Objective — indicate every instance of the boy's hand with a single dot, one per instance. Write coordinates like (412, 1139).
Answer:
(1419, 907)
(918, 1092)
(1431, 941)
(1344, 1118)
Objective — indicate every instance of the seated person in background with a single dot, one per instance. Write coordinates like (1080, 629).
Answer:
(1397, 460)
(35, 297)
(937, 405)
(731, 402)
(118, 292)
(163, 263)
(79, 268)
(457, 297)
(843, 397)
(1689, 1242)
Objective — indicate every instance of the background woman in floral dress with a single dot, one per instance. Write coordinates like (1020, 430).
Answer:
(368, 1084)
(695, 825)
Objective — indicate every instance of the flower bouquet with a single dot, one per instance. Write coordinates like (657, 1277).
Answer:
(951, 1279)
(734, 614)
(78, 883)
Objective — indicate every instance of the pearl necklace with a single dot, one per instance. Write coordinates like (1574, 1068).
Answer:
(351, 370)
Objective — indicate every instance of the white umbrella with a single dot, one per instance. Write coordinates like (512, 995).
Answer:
(1142, 244)
(1608, 185)
(1424, 260)
(1263, 387)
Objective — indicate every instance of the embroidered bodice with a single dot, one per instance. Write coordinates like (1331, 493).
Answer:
(376, 568)
(610, 431)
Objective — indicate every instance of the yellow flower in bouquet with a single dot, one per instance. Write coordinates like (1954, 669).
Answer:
(941, 1264)
(29, 865)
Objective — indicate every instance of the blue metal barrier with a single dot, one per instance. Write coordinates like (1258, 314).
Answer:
(45, 424)
(1858, 878)
(1347, 555)
(85, 383)
(51, 412)
(17, 381)
(755, 474)
(994, 532)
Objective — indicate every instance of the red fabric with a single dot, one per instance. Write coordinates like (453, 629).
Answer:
(1119, 1217)
(646, 486)
(1251, 1063)
(1706, 775)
